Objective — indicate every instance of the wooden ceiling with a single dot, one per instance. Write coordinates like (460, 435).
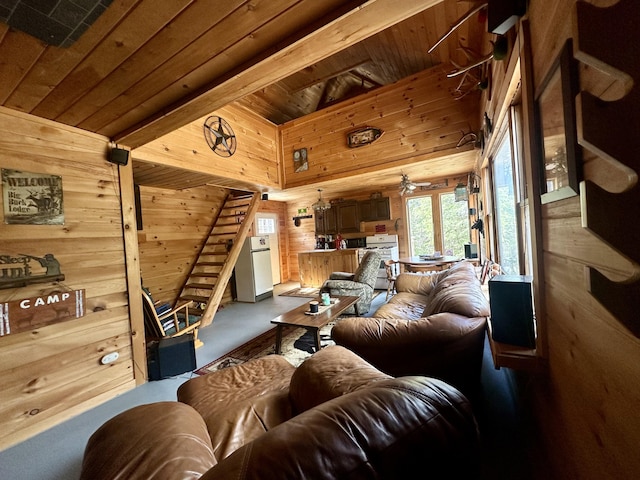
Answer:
(145, 68)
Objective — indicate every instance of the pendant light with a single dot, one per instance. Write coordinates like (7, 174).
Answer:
(321, 205)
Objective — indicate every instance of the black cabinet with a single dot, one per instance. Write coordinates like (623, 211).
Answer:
(375, 209)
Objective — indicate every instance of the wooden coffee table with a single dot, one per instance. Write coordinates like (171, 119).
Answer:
(313, 323)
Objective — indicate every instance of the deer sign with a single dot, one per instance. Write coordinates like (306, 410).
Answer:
(40, 201)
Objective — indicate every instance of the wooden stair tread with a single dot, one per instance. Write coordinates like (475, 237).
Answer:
(195, 298)
(205, 274)
(201, 286)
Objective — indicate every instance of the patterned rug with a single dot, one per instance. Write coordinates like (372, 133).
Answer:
(297, 344)
(308, 292)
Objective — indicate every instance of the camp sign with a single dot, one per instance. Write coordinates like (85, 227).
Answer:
(29, 313)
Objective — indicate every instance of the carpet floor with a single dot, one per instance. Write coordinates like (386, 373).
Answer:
(297, 345)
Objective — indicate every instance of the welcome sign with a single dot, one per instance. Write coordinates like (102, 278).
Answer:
(30, 313)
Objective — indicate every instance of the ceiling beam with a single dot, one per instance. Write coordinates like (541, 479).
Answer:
(353, 27)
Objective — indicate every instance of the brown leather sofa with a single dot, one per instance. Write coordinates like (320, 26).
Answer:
(335, 416)
(433, 326)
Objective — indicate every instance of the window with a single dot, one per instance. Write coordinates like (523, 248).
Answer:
(420, 214)
(505, 207)
(508, 205)
(438, 223)
(266, 225)
(455, 224)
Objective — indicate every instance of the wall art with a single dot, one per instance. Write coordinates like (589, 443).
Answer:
(32, 198)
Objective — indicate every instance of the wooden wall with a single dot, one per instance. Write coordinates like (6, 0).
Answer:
(585, 400)
(420, 117)
(53, 372)
(175, 226)
(254, 162)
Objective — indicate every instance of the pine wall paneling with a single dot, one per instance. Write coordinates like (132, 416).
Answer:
(583, 401)
(54, 372)
(175, 226)
(419, 116)
(254, 162)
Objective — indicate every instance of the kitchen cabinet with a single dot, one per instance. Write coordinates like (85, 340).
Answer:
(315, 266)
(326, 222)
(375, 209)
(347, 216)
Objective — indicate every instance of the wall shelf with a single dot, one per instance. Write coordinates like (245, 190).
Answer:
(512, 356)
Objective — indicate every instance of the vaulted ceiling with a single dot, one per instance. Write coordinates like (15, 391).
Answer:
(133, 70)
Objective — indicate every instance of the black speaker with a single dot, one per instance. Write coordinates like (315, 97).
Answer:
(119, 156)
(169, 357)
(470, 250)
(512, 318)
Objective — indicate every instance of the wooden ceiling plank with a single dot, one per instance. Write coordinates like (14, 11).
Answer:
(371, 18)
(192, 22)
(142, 23)
(18, 53)
(247, 37)
(56, 63)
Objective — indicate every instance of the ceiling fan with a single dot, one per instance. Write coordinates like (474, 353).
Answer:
(407, 186)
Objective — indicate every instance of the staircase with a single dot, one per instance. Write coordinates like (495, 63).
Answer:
(211, 271)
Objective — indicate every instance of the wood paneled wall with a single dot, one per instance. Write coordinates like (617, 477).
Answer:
(585, 400)
(420, 117)
(52, 373)
(175, 226)
(254, 162)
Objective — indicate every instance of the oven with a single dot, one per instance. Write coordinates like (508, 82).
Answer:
(387, 247)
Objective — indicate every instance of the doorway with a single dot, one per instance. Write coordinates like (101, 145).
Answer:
(267, 224)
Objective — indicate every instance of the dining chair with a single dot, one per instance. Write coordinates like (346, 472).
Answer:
(391, 269)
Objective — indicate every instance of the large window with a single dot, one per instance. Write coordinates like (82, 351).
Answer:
(455, 224)
(505, 207)
(507, 204)
(420, 213)
(438, 223)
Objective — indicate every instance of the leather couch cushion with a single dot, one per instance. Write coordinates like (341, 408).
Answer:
(392, 429)
(461, 298)
(330, 373)
(150, 442)
(416, 282)
(403, 305)
(241, 403)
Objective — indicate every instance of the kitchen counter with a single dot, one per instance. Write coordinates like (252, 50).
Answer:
(316, 265)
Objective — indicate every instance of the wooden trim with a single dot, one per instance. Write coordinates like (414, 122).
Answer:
(132, 259)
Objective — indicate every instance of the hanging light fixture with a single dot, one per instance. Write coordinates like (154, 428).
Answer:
(321, 205)
(460, 192)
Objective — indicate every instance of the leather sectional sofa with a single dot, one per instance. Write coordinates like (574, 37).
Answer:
(433, 326)
(335, 416)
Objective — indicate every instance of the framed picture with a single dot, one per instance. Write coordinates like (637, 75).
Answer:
(560, 155)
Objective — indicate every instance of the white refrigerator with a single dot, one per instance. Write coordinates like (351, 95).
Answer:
(254, 281)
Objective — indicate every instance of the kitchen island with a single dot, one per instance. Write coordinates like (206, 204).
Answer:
(316, 265)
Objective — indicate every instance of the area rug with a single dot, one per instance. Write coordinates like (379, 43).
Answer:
(309, 292)
(297, 345)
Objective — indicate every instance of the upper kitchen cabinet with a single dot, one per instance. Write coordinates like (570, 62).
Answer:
(347, 216)
(326, 222)
(374, 209)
